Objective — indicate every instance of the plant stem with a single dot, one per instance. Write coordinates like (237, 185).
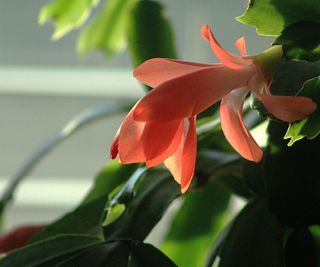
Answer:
(84, 118)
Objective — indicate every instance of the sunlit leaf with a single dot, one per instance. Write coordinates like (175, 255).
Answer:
(145, 204)
(270, 17)
(66, 15)
(310, 126)
(108, 32)
(196, 225)
(88, 216)
(301, 41)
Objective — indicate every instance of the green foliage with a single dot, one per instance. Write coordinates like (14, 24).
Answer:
(44, 252)
(103, 254)
(108, 32)
(301, 41)
(310, 126)
(119, 254)
(127, 202)
(293, 187)
(255, 239)
(289, 76)
(225, 168)
(83, 251)
(109, 178)
(150, 34)
(145, 204)
(315, 231)
(88, 216)
(270, 17)
(147, 255)
(196, 225)
(67, 15)
(300, 249)
(303, 81)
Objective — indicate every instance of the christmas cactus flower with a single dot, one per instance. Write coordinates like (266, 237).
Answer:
(161, 126)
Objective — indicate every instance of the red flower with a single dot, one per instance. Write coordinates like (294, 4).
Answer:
(161, 126)
(18, 237)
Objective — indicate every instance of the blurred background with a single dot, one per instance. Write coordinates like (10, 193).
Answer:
(44, 84)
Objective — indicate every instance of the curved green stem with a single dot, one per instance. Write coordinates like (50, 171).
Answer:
(83, 119)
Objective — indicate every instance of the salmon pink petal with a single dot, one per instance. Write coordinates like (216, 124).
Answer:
(155, 71)
(174, 163)
(189, 154)
(182, 163)
(225, 57)
(130, 145)
(158, 136)
(241, 46)
(114, 150)
(288, 108)
(171, 148)
(233, 127)
(190, 94)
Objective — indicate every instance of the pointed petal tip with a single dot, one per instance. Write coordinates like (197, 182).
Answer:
(185, 186)
(204, 31)
(257, 157)
(289, 108)
(113, 153)
(184, 189)
(114, 149)
(226, 58)
(241, 45)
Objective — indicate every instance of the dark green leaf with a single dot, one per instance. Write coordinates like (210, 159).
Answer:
(67, 15)
(310, 126)
(289, 76)
(87, 217)
(109, 30)
(145, 206)
(315, 231)
(300, 249)
(150, 33)
(196, 225)
(105, 254)
(255, 239)
(301, 41)
(254, 177)
(120, 253)
(224, 168)
(41, 253)
(143, 255)
(270, 17)
(293, 186)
